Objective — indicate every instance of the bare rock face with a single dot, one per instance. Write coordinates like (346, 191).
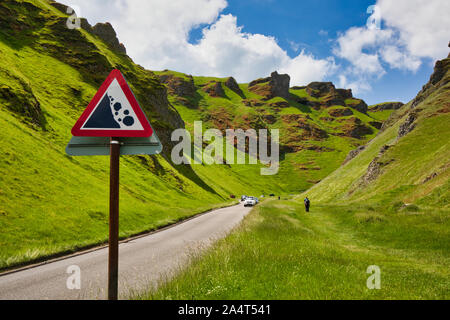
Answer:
(214, 89)
(374, 169)
(353, 154)
(319, 89)
(438, 79)
(407, 126)
(355, 128)
(22, 101)
(252, 103)
(359, 105)
(269, 118)
(376, 124)
(343, 112)
(106, 32)
(300, 129)
(86, 25)
(280, 84)
(277, 85)
(330, 96)
(345, 93)
(234, 86)
(180, 86)
(386, 106)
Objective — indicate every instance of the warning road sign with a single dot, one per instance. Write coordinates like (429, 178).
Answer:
(113, 112)
(100, 146)
(114, 124)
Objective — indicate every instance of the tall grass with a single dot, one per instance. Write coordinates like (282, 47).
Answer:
(281, 252)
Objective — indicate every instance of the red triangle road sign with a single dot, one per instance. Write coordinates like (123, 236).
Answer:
(113, 112)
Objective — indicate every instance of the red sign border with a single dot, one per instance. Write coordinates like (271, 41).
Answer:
(115, 74)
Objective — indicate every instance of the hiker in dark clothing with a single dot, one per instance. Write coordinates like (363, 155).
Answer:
(307, 204)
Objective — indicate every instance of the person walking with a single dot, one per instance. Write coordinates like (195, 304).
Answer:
(307, 204)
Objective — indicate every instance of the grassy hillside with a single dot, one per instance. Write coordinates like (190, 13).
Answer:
(388, 206)
(50, 202)
(318, 127)
(410, 168)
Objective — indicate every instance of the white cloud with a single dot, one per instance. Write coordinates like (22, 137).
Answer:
(354, 41)
(304, 68)
(294, 46)
(358, 86)
(226, 50)
(411, 31)
(423, 25)
(156, 35)
(398, 59)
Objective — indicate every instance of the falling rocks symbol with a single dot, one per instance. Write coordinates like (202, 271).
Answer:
(103, 116)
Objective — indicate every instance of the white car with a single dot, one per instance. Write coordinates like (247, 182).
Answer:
(249, 202)
(254, 198)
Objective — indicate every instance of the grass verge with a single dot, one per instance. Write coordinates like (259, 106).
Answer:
(281, 252)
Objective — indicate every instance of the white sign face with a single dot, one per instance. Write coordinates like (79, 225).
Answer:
(113, 112)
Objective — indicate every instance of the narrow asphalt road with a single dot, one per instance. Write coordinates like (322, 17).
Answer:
(142, 262)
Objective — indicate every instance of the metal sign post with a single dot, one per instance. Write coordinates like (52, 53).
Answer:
(113, 112)
(113, 259)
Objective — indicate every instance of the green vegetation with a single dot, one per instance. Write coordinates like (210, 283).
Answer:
(281, 252)
(413, 167)
(52, 203)
(389, 207)
(313, 142)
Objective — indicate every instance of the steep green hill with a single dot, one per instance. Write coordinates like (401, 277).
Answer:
(50, 202)
(386, 208)
(408, 161)
(318, 123)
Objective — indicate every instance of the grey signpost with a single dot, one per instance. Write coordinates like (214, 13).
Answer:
(108, 127)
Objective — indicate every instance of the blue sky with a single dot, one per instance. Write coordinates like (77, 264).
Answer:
(312, 40)
(311, 24)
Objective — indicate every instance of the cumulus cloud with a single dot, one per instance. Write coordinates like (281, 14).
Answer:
(304, 68)
(226, 50)
(156, 35)
(423, 26)
(353, 42)
(412, 31)
(399, 59)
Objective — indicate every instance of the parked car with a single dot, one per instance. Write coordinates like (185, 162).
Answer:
(272, 195)
(256, 199)
(249, 202)
(232, 196)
